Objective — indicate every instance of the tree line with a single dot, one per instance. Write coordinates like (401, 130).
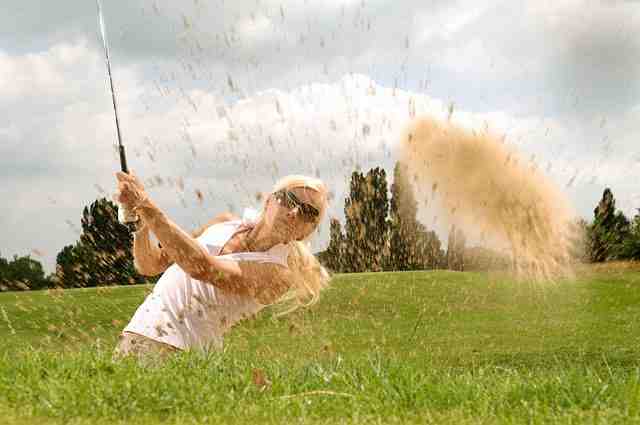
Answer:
(380, 232)
(611, 235)
(101, 257)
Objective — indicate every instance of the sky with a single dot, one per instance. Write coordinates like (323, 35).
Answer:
(218, 99)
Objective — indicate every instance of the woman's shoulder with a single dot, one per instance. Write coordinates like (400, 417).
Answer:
(220, 218)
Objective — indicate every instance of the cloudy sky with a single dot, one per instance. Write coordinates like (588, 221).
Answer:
(221, 97)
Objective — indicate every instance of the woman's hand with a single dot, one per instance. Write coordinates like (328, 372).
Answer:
(130, 191)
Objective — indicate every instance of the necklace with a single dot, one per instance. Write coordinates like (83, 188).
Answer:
(242, 243)
(248, 245)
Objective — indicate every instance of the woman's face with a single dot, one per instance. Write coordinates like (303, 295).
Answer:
(292, 214)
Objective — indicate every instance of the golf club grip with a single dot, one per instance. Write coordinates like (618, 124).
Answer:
(124, 216)
(123, 159)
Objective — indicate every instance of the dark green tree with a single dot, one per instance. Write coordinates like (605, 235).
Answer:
(609, 230)
(631, 244)
(354, 228)
(71, 265)
(333, 255)
(4, 281)
(109, 243)
(102, 256)
(366, 227)
(22, 273)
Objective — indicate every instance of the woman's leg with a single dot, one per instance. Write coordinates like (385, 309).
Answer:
(142, 348)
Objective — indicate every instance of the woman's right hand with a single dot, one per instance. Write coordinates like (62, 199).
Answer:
(131, 191)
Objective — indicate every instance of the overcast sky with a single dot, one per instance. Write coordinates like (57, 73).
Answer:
(223, 97)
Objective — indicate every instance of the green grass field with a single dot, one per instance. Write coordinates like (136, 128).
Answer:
(424, 347)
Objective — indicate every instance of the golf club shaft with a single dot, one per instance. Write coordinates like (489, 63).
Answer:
(121, 151)
(124, 216)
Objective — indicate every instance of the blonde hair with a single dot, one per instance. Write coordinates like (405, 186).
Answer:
(310, 277)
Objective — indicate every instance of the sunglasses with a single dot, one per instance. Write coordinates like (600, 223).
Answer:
(291, 201)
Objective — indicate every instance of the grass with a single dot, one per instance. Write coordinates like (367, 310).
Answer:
(423, 347)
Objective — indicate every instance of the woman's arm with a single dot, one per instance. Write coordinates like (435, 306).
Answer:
(150, 259)
(179, 245)
(263, 281)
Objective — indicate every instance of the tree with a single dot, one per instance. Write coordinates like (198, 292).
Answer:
(403, 224)
(366, 227)
(4, 274)
(376, 212)
(22, 273)
(29, 271)
(579, 240)
(429, 249)
(455, 249)
(333, 255)
(354, 228)
(70, 267)
(608, 231)
(411, 245)
(102, 256)
(631, 244)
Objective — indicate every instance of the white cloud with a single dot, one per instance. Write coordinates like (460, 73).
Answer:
(291, 110)
(254, 28)
(230, 150)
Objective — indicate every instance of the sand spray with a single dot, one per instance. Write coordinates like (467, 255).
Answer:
(484, 187)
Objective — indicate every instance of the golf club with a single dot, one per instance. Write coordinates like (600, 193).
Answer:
(124, 216)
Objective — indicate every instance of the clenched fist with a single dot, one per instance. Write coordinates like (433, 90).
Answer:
(130, 191)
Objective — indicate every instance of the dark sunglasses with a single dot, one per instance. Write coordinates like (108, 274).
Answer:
(290, 200)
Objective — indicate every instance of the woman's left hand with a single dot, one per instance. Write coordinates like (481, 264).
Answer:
(130, 191)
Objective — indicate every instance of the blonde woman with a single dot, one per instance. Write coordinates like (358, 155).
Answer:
(225, 272)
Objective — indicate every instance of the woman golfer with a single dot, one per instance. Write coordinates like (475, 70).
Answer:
(225, 272)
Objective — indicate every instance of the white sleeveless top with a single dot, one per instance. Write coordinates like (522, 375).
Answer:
(187, 313)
